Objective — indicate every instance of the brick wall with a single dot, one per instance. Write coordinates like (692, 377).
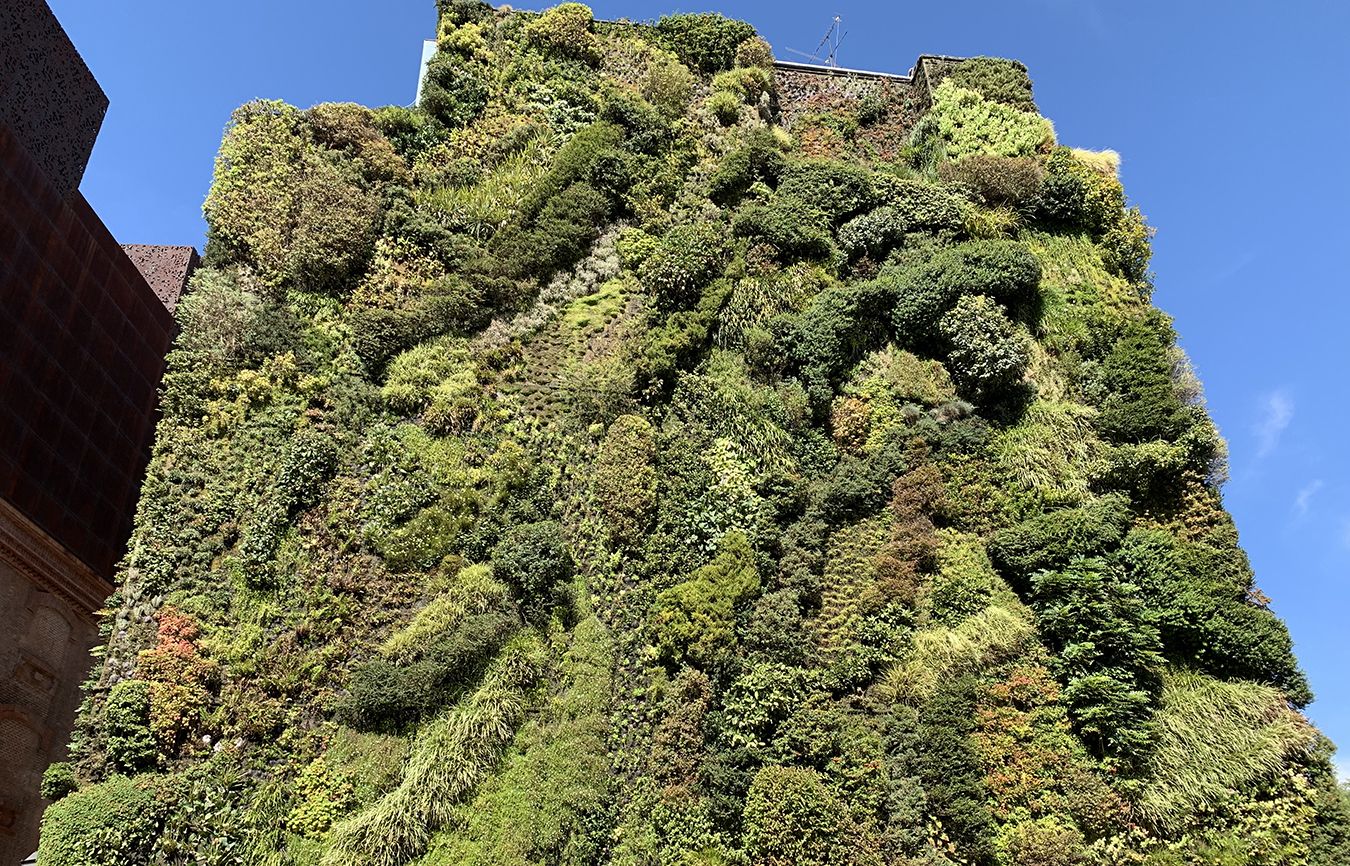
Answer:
(82, 346)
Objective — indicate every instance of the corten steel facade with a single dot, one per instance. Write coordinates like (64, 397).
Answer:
(83, 334)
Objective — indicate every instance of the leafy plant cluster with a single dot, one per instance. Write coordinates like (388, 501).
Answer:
(583, 467)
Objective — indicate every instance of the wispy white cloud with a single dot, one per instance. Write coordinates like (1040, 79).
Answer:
(1304, 498)
(1277, 410)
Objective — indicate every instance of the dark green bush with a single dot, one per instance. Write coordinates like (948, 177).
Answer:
(1052, 539)
(108, 824)
(690, 257)
(681, 339)
(1107, 652)
(838, 327)
(58, 780)
(758, 160)
(1205, 616)
(455, 90)
(950, 771)
(795, 231)
(1142, 403)
(997, 181)
(131, 745)
(838, 190)
(533, 558)
(705, 41)
(1003, 270)
(1077, 195)
(411, 131)
(389, 697)
(997, 79)
(911, 206)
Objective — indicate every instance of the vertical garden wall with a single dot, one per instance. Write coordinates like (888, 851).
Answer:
(600, 464)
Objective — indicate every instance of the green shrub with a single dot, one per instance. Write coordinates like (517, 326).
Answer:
(794, 231)
(1107, 653)
(706, 41)
(912, 206)
(758, 160)
(690, 257)
(667, 84)
(454, 90)
(534, 559)
(1052, 539)
(58, 780)
(748, 84)
(725, 106)
(391, 696)
(793, 819)
(949, 770)
(997, 181)
(838, 190)
(412, 376)
(996, 79)
(351, 128)
(1076, 194)
(131, 744)
(623, 479)
(1003, 270)
(281, 204)
(839, 326)
(566, 29)
(1142, 403)
(634, 246)
(754, 52)
(410, 131)
(228, 322)
(1125, 246)
(986, 354)
(111, 823)
(694, 621)
(962, 123)
(1045, 842)
(1205, 615)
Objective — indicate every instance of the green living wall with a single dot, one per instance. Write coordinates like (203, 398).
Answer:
(584, 468)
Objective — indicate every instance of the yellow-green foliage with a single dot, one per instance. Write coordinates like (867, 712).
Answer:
(966, 123)
(449, 757)
(1106, 162)
(554, 776)
(479, 209)
(1213, 739)
(101, 825)
(472, 591)
(566, 28)
(323, 796)
(941, 653)
(1054, 450)
(300, 215)
(413, 376)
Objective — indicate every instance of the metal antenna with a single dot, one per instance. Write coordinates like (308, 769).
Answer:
(832, 38)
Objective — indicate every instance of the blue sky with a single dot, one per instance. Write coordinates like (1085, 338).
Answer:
(1231, 118)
